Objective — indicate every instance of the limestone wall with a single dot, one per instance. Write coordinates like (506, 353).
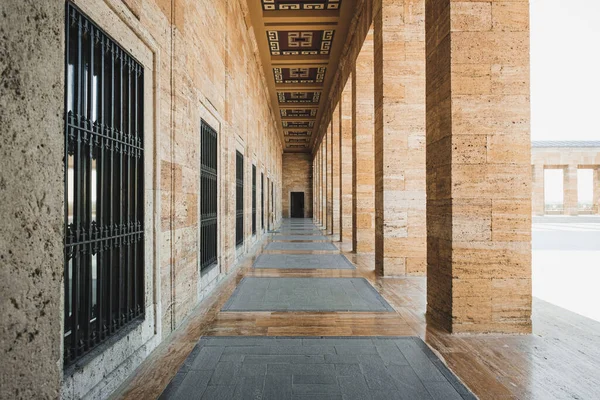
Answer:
(201, 63)
(297, 177)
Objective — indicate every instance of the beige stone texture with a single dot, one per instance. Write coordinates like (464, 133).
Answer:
(346, 162)
(31, 198)
(329, 167)
(570, 190)
(365, 175)
(297, 177)
(399, 60)
(336, 174)
(478, 166)
(200, 62)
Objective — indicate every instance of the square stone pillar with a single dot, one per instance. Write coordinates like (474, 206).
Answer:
(335, 159)
(364, 178)
(478, 166)
(596, 208)
(330, 180)
(399, 50)
(570, 198)
(346, 162)
(538, 199)
(316, 187)
(324, 182)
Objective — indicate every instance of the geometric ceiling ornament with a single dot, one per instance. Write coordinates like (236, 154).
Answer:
(296, 140)
(298, 113)
(293, 43)
(297, 133)
(298, 125)
(275, 5)
(299, 97)
(299, 75)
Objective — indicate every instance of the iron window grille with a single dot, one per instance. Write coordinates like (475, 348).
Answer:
(104, 187)
(239, 198)
(254, 199)
(262, 201)
(208, 196)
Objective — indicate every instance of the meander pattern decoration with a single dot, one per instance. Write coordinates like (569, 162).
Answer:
(299, 75)
(283, 5)
(293, 43)
(299, 97)
(299, 113)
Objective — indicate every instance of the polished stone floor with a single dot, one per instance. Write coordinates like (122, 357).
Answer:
(297, 367)
(560, 360)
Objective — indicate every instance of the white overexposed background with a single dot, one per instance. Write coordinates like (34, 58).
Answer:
(565, 105)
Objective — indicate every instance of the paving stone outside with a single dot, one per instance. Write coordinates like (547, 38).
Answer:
(282, 368)
(306, 294)
(303, 261)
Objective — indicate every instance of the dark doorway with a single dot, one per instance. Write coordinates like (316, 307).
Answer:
(297, 205)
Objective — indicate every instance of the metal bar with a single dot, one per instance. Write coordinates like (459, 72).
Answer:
(120, 193)
(100, 199)
(135, 192)
(77, 199)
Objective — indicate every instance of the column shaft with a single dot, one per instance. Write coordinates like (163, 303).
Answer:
(330, 180)
(364, 176)
(596, 208)
(324, 182)
(570, 199)
(346, 162)
(538, 200)
(400, 235)
(335, 159)
(478, 166)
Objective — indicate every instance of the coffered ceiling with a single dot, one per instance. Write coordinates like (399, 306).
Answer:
(300, 42)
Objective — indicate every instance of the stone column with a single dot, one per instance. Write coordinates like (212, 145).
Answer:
(399, 49)
(315, 187)
(538, 199)
(596, 209)
(324, 182)
(32, 198)
(319, 186)
(364, 178)
(570, 190)
(335, 159)
(478, 166)
(329, 180)
(346, 162)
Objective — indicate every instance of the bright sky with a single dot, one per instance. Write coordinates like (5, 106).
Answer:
(565, 63)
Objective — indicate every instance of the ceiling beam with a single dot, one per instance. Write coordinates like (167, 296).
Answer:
(300, 59)
(292, 17)
(310, 26)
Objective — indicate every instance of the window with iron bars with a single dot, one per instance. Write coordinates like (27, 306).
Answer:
(254, 199)
(239, 198)
(262, 201)
(104, 187)
(208, 196)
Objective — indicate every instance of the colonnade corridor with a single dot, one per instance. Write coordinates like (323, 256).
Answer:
(304, 317)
